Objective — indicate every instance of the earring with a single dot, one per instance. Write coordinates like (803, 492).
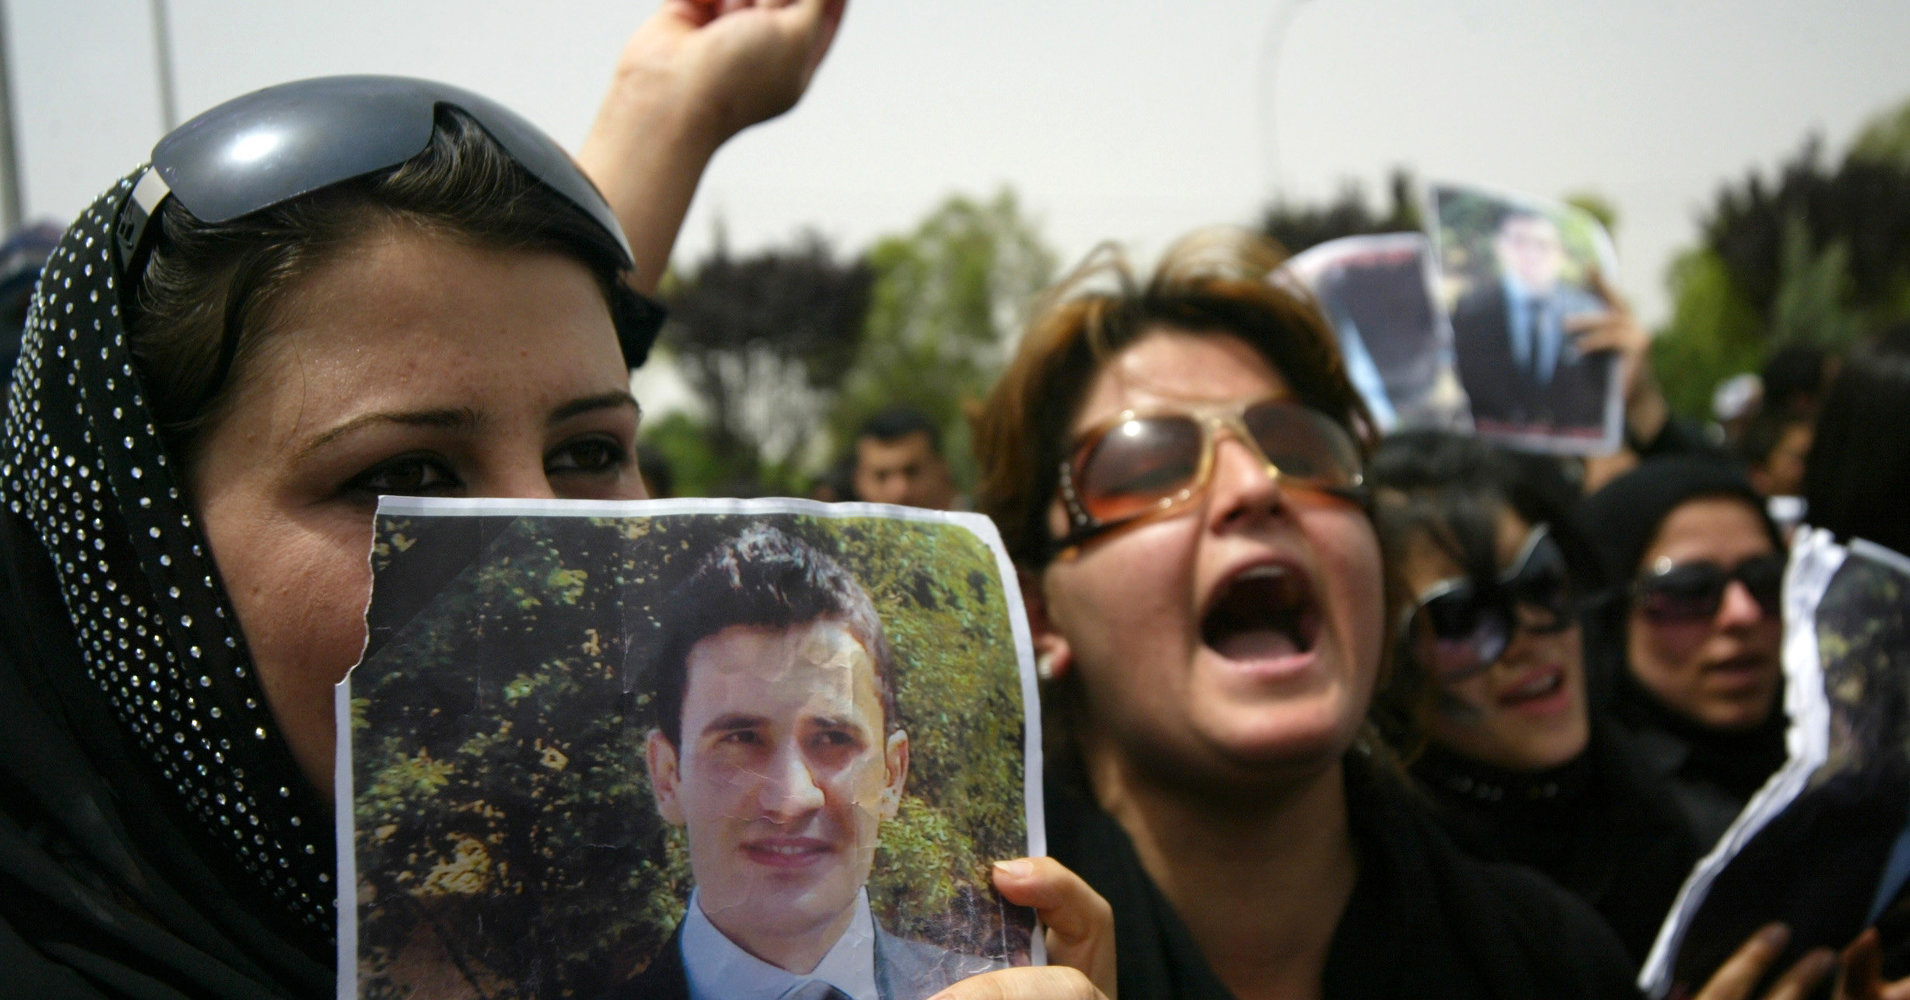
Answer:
(1044, 665)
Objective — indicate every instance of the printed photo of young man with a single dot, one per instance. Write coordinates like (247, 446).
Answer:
(777, 749)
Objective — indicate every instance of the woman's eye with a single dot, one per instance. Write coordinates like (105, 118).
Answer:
(405, 475)
(596, 454)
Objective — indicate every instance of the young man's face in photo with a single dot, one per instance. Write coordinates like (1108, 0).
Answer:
(782, 778)
(1529, 249)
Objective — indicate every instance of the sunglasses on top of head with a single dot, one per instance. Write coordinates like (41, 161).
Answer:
(1459, 627)
(1142, 463)
(270, 146)
(1682, 593)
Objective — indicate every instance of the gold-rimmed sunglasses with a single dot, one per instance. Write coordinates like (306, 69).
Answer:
(1144, 463)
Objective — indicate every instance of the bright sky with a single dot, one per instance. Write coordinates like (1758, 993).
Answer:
(1132, 120)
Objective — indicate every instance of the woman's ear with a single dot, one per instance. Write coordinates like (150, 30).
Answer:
(1053, 655)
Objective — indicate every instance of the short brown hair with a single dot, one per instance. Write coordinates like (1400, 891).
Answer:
(1218, 281)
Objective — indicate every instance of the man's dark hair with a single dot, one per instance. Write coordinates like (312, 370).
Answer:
(894, 423)
(762, 578)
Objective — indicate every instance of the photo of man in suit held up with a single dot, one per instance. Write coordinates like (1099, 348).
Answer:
(778, 751)
(1522, 302)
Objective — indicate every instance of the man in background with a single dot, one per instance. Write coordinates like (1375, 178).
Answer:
(898, 459)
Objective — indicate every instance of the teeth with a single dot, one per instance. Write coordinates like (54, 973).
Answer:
(1543, 685)
(1262, 573)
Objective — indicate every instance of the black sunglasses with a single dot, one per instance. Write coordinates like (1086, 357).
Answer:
(1461, 626)
(273, 145)
(1681, 593)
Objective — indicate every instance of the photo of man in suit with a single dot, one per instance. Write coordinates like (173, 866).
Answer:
(1514, 344)
(778, 750)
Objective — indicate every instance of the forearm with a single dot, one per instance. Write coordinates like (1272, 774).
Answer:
(647, 151)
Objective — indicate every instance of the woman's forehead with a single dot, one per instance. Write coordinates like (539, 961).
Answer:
(1715, 527)
(1169, 366)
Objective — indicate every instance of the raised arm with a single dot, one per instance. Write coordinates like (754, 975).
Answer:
(694, 74)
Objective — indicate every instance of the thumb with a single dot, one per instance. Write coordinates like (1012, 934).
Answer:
(1080, 923)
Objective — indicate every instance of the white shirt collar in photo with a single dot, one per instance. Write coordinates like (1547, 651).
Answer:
(719, 970)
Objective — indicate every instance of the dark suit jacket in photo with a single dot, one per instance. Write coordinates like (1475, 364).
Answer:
(905, 969)
(1505, 397)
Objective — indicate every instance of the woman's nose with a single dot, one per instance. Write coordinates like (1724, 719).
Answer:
(1738, 606)
(515, 477)
(1241, 482)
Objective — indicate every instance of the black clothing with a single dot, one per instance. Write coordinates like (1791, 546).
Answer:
(1507, 398)
(1596, 826)
(157, 838)
(1710, 773)
(1424, 919)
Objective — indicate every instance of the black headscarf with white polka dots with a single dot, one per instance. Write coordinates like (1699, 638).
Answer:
(146, 785)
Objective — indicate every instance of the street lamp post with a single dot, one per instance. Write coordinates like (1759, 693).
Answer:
(9, 162)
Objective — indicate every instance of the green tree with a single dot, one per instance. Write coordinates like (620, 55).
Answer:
(683, 441)
(947, 300)
(764, 340)
(1820, 253)
(1298, 227)
(1713, 333)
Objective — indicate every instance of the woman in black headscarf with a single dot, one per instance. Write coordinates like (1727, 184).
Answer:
(319, 293)
(1688, 634)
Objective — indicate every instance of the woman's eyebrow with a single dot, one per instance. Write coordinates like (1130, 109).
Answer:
(601, 401)
(446, 418)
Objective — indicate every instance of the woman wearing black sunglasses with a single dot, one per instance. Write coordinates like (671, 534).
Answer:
(1689, 633)
(1487, 699)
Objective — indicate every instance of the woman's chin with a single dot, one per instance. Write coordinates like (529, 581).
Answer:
(1300, 735)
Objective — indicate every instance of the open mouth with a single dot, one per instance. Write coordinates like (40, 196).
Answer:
(1264, 613)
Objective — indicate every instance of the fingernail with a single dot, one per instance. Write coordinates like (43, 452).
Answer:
(1019, 868)
(1774, 936)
